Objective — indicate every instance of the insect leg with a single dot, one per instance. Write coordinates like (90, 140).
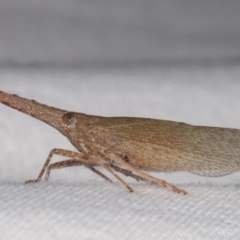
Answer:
(126, 172)
(141, 174)
(72, 163)
(116, 176)
(62, 152)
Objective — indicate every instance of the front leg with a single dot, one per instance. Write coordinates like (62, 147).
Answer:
(62, 152)
(83, 159)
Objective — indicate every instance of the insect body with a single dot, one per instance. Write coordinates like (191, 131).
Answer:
(130, 145)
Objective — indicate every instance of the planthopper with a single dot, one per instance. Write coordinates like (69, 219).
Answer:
(131, 146)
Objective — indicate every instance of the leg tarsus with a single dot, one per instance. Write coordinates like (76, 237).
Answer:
(32, 181)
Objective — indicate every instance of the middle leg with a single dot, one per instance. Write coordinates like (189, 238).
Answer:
(72, 163)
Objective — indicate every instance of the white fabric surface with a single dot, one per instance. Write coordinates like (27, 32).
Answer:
(76, 204)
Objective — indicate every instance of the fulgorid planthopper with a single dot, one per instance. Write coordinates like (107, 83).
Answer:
(129, 145)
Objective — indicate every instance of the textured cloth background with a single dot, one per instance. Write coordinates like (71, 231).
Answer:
(75, 203)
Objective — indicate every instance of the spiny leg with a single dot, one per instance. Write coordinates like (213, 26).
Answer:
(64, 153)
(126, 172)
(129, 173)
(141, 174)
(61, 164)
(72, 163)
(77, 156)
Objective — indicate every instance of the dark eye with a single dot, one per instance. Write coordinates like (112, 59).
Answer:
(69, 118)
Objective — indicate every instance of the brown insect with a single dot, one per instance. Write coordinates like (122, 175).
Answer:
(129, 145)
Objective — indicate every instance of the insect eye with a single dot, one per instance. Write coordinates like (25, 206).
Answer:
(69, 118)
